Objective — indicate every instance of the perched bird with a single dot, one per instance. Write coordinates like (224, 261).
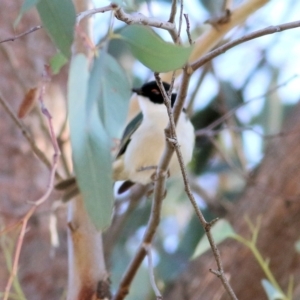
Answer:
(143, 140)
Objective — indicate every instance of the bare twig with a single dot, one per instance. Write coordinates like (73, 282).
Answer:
(80, 16)
(93, 11)
(233, 111)
(141, 19)
(187, 21)
(151, 272)
(55, 147)
(30, 140)
(180, 19)
(206, 225)
(220, 50)
(228, 160)
(11, 39)
(173, 11)
(192, 97)
(37, 203)
(17, 253)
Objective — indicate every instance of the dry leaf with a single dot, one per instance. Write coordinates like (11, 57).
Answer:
(28, 102)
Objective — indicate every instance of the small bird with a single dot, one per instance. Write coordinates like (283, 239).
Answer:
(144, 140)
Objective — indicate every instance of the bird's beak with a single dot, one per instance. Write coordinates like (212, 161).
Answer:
(138, 91)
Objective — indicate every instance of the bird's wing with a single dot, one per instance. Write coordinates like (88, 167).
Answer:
(131, 127)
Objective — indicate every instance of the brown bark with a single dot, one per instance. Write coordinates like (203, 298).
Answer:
(273, 194)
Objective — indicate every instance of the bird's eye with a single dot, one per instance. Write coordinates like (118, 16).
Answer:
(155, 91)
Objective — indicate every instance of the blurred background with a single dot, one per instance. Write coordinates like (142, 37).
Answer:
(243, 105)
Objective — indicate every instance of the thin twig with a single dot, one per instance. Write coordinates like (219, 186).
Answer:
(228, 161)
(180, 20)
(11, 39)
(187, 21)
(206, 225)
(30, 140)
(53, 140)
(79, 18)
(151, 273)
(220, 50)
(233, 111)
(139, 18)
(173, 11)
(17, 253)
(198, 84)
(93, 11)
(36, 203)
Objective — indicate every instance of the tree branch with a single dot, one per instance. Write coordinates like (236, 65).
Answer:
(30, 140)
(139, 18)
(220, 50)
(11, 39)
(206, 225)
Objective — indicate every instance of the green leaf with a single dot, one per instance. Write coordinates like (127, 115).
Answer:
(271, 291)
(27, 4)
(109, 86)
(220, 231)
(90, 147)
(59, 17)
(154, 52)
(57, 62)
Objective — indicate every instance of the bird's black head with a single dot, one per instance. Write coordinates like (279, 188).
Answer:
(152, 91)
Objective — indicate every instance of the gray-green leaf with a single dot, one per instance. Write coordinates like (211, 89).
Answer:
(59, 17)
(153, 51)
(27, 4)
(57, 62)
(109, 86)
(90, 147)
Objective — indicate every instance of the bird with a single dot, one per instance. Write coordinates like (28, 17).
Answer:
(143, 140)
(141, 148)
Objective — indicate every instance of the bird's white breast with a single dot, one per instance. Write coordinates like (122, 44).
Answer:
(148, 142)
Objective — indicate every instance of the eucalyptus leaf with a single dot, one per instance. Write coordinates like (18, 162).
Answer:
(57, 62)
(90, 147)
(27, 5)
(109, 86)
(153, 51)
(59, 17)
(271, 291)
(220, 231)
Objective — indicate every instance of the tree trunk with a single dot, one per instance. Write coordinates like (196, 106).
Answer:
(272, 194)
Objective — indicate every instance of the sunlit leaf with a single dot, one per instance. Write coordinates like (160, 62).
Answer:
(90, 147)
(27, 4)
(271, 291)
(109, 86)
(58, 17)
(153, 51)
(57, 62)
(220, 231)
